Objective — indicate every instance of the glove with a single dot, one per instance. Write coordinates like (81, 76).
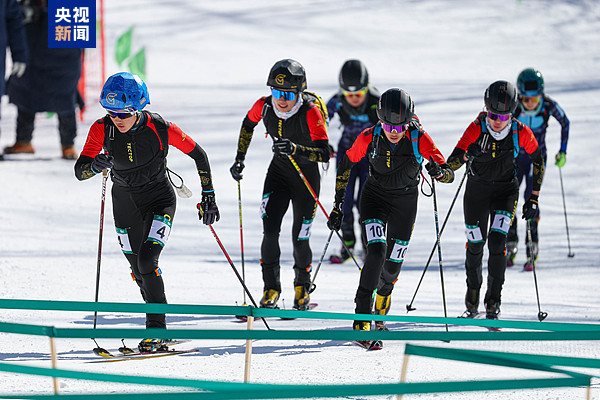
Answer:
(434, 169)
(531, 208)
(561, 159)
(18, 69)
(335, 218)
(208, 212)
(101, 161)
(473, 151)
(236, 170)
(284, 147)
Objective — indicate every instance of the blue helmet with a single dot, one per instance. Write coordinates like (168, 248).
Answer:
(124, 91)
(530, 82)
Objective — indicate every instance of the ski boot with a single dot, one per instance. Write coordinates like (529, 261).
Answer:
(68, 152)
(20, 147)
(269, 299)
(472, 303)
(344, 255)
(153, 345)
(362, 326)
(301, 298)
(531, 258)
(511, 253)
(492, 309)
(382, 307)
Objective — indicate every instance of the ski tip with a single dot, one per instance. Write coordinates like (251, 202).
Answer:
(99, 351)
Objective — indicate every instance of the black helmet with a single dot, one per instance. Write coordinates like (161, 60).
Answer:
(353, 76)
(530, 82)
(501, 98)
(395, 107)
(287, 74)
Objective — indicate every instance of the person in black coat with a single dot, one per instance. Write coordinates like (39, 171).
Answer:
(48, 85)
(12, 34)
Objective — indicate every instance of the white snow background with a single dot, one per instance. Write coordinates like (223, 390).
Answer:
(207, 62)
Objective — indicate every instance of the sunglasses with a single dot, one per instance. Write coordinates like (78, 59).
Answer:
(397, 128)
(501, 117)
(356, 93)
(278, 94)
(120, 115)
(527, 99)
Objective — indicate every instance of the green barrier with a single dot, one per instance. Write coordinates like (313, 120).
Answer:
(266, 312)
(226, 390)
(243, 334)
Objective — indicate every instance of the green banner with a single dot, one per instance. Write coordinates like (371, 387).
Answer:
(123, 47)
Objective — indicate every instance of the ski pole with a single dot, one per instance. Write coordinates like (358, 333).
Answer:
(98, 350)
(312, 284)
(241, 236)
(541, 315)
(409, 307)
(439, 247)
(316, 198)
(232, 265)
(570, 254)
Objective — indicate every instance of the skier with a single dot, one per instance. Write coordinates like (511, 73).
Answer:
(396, 147)
(534, 110)
(491, 143)
(294, 119)
(136, 144)
(355, 104)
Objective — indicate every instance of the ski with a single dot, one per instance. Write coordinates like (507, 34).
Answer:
(369, 345)
(243, 318)
(125, 351)
(145, 355)
(479, 315)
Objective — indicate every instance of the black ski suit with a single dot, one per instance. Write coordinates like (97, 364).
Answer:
(388, 203)
(491, 198)
(307, 129)
(144, 201)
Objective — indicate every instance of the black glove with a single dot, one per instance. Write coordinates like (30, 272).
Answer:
(335, 218)
(531, 207)
(102, 161)
(473, 151)
(434, 169)
(284, 147)
(236, 170)
(208, 212)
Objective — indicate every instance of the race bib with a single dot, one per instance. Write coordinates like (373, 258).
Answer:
(123, 239)
(263, 205)
(473, 233)
(375, 231)
(399, 251)
(305, 229)
(501, 222)
(160, 230)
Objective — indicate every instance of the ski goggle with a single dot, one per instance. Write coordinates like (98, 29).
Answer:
(356, 93)
(397, 128)
(278, 94)
(121, 115)
(501, 117)
(532, 99)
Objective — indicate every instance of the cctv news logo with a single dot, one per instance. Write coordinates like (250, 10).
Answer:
(71, 24)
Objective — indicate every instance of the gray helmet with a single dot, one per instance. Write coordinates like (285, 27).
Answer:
(395, 107)
(287, 74)
(501, 98)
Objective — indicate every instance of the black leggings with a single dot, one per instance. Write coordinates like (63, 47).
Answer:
(493, 205)
(283, 185)
(387, 221)
(143, 219)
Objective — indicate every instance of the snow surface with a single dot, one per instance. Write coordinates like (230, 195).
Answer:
(207, 64)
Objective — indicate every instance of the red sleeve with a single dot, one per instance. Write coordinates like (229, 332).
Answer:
(95, 140)
(527, 139)
(470, 136)
(359, 148)
(316, 124)
(180, 140)
(428, 149)
(255, 113)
